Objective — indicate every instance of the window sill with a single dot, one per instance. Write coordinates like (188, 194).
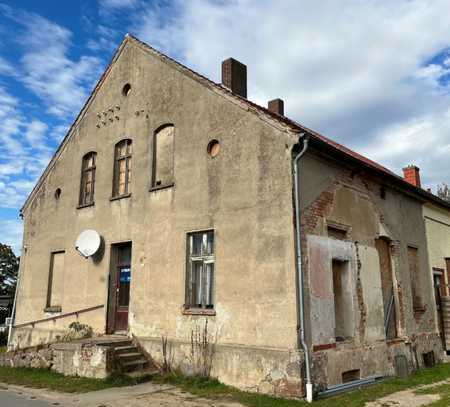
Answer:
(115, 198)
(86, 205)
(158, 187)
(53, 309)
(199, 311)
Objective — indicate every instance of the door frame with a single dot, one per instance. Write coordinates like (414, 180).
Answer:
(112, 284)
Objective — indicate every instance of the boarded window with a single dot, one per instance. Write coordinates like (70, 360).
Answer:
(56, 279)
(387, 287)
(414, 275)
(87, 188)
(163, 156)
(200, 270)
(122, 168)
(343, 310)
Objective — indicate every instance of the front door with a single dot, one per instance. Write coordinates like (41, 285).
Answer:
(122, 287)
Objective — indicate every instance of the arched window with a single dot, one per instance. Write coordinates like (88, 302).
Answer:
(122, 168)
(163, 156)
(87, 188)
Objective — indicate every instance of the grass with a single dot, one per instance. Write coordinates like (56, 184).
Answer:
(357, 398)
(43, 378)
(2, 349)
(213, 389)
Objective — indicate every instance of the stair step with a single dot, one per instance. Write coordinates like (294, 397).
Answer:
(143, 372)
(138, 364)
(129, 356)
(125, 349)
(116, 344)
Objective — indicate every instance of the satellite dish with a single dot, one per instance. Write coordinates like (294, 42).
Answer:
(88, 243)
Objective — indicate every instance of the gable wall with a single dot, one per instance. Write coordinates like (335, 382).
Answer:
(244, 194)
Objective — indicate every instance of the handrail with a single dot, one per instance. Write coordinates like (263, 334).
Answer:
(68, 314)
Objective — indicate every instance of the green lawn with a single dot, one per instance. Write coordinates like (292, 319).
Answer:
(42, 378)
(357, 398)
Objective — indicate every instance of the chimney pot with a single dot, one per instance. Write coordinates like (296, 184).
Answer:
(276, 106)
(234, 76)
(411, 174)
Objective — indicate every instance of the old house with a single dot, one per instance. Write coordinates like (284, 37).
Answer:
(190, 186)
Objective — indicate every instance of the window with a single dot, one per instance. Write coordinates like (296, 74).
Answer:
(343, 309)
(414, 275)
(55, 281)
(200, 270)
(88, 179)
(122, 168)
(163, 156)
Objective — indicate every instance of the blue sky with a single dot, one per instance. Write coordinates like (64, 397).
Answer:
(374, 75)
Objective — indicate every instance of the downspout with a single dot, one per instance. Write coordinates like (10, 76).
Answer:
(299, 273)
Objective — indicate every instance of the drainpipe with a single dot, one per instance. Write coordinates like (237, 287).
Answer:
(299, 274)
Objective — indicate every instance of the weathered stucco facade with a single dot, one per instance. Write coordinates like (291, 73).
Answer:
(243, 194)
(363, 238)
(355, 225)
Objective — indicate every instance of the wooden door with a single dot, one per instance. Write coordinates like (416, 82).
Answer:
(120, 288)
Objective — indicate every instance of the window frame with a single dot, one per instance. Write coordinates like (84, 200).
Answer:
(206, 258)
(83, 178)
(117, 158)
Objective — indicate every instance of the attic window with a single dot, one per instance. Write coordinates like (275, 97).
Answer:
(213, 148)
(383, 193)
(126, 89)
(57, 193)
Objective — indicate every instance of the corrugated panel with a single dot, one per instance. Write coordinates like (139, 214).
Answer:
(445, 303)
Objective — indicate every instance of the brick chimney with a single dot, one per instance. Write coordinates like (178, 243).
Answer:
(411, 174)
(234, 76)
(276, 106)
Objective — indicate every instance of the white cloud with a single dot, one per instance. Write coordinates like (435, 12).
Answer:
(12, 234)
(353, 70)
(35, 133)
(46, 69)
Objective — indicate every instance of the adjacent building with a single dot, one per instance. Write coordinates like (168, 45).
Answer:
(190, 186)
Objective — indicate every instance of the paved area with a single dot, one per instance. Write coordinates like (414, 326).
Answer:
(147, 394)
(9, 398)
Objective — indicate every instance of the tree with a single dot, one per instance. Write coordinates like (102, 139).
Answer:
(9, 268)
(443, 192)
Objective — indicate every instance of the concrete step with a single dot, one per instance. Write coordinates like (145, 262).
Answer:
(116, 343)
(128, 356)
(136, 374)
(133, 365)
(125, 349)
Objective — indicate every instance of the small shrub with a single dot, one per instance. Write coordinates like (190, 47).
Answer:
(77, 331)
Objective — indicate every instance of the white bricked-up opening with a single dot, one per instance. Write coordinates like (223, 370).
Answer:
(343, 310)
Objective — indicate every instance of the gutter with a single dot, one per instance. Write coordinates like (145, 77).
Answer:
(300, 298)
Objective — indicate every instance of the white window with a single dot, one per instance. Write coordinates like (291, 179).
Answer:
(200, 270)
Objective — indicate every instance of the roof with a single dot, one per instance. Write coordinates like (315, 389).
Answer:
(316, 138)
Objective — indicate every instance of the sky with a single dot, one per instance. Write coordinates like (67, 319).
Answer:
(373, 74)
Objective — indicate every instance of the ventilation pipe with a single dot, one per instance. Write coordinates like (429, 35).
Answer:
(299, 273)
